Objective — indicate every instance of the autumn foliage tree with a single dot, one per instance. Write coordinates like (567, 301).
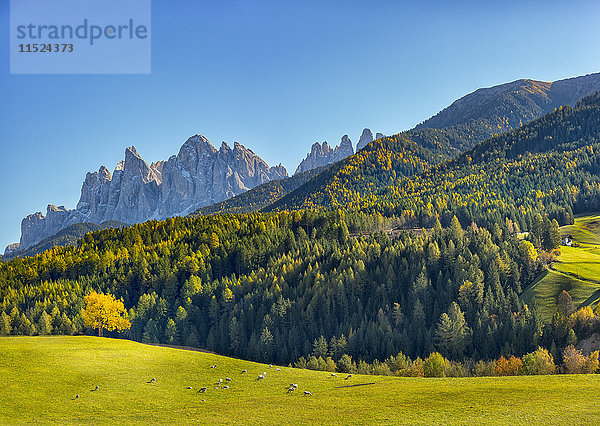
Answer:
(539, 362)
(103, 311)
(508, 367)
(577, 363)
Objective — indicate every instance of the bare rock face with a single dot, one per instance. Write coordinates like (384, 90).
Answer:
(197, 176)
(365, 138)
(10, 249)
(379, 136)
(200, 175)
(322, 154)
(318, 156)
(345, 149)
(37, 224)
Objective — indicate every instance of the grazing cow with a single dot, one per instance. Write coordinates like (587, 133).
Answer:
(270, 365)
(152, 380)
(202, 390)
(278, 369)
(76, 396)
(188, 387)
(97, 388)
(225, 387)
(260, 377)
(333, 375)
(227, 379)
(307, 393)
(244, 371)
(349, 375)
(220, 381)
(213, 366)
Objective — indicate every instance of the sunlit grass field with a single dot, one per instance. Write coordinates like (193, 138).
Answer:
(42, 375)
(577, 271)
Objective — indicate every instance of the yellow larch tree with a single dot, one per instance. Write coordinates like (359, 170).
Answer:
(103, 311)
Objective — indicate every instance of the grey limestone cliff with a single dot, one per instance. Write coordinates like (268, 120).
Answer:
(199, 175)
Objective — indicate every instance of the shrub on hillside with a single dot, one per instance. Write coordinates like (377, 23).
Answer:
(435, 365)
(575, 362)
(484, 368)
(538, 362)
(508, 367)
(344, 365)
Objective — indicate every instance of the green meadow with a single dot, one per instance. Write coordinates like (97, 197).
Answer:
(42, 375)
(576, 271)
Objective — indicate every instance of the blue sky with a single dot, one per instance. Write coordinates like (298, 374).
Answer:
(275, 76)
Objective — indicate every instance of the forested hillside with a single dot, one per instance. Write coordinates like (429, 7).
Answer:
(548, 166)
(408, 153)
(380, 162)
(268, 286)
(67, 236)
(260, 196)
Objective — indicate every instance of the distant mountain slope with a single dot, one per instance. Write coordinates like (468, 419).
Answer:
(503, 106)
(467, 122)
(260, 196)
(494, 110)
(65, 237)
(550, 165)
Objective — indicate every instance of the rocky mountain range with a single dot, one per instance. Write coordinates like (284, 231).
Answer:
(321, 154)
(199, 175)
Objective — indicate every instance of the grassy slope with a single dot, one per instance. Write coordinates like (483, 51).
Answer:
(577, 271)
(41, 376)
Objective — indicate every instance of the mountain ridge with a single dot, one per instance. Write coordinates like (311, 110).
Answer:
(197, 176)
(541, 144)
(467, 122)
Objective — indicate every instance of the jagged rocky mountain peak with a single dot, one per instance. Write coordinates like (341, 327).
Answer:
(130, 150)
(104, 173)
(322, 154)
(199, 175)
(365, 138)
